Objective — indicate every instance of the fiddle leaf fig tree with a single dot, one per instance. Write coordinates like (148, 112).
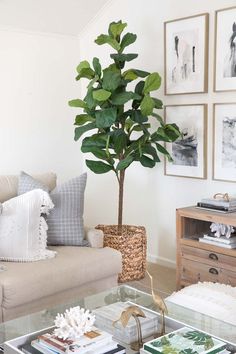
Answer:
(122, 119)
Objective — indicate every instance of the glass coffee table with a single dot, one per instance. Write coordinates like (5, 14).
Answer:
(123, 293)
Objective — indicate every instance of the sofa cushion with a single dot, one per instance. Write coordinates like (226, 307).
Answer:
(9, 184)
(65, 221)
(23, 231)
(72, 267)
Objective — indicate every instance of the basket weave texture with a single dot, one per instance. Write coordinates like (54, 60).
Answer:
(132, 244)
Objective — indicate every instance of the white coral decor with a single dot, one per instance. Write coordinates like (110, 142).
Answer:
(73, 323)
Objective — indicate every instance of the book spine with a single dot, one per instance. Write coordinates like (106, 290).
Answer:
(151, 350)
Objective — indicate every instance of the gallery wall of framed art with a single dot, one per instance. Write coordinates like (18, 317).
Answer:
(186, 72)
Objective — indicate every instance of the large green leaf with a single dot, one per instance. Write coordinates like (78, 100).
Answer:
(111, 80)
(90, 101)
(116, 28)
(98, 166)
(82, 65)
(113, 68)
(147, 162)
(123, 164)
(152, 83)
(158, 103)
(141, 127)
(92, 82)
(97, 66)
(81, 119)
(101, 95)
(138, 117)
(106, 117)
(148, 149)
(81, 130)
(94, 141)
(105, 39)
(172, 131)
(164, 152)
(123, 57)
(100, 154)
(123, 97)
(119, 139)
(128, 39)
(139, 87)
(87, 73)
(77, 103)
(133, 74)
(147, 105)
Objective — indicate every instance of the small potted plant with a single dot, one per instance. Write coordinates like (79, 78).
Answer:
(124, 128)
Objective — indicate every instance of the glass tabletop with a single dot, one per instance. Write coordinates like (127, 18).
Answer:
(43, 319)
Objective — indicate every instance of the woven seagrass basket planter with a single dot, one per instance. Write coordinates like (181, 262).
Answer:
(132, 244)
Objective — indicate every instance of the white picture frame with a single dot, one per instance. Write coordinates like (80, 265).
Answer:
(186, 55)
(224, 142)
(189, 153)
(225, 50)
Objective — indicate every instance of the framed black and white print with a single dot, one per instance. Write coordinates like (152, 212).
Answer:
(186, 55)
(188, 152)
(224, 142)
(225, 50)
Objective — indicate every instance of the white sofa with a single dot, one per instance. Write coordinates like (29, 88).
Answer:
(74, 272)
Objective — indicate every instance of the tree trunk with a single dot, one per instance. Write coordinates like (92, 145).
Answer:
(121, 195)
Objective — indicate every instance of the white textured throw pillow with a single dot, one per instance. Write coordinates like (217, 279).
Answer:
(23, 231)
(212, 299)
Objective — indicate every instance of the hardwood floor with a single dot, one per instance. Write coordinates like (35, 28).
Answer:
(163, 280)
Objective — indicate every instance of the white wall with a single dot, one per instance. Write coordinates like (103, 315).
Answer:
(150, 197)
(37, 74)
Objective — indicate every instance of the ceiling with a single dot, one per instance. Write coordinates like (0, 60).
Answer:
(67, 17)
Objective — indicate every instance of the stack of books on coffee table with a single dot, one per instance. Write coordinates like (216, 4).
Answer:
(185, 341)
(94, 342)
(220, 205)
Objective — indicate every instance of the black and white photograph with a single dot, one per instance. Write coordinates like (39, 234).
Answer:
(225, 50)
(186, 54)
(225, 142)
(189, 151)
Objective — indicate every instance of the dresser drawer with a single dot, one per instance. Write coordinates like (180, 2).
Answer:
(228, 277)
(214, 259)
(194, 271)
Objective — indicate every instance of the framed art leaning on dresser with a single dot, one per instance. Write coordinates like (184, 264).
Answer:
(186, 55)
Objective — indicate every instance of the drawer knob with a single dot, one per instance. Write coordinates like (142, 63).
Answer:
(213, 256)
(213, 271)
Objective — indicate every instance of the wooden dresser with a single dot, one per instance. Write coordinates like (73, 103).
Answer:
(197, 261)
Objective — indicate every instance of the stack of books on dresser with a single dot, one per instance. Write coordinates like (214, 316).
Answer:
(221, 241)
(220, 205)
(93, 342)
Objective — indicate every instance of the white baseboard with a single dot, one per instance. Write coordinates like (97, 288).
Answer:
(161, 261)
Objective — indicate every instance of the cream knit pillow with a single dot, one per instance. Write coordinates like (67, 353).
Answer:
(23, 231)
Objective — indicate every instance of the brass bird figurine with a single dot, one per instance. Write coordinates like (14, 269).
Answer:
(127, 313)
(160, 304)
(124, 319)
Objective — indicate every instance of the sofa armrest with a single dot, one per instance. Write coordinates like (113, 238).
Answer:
(95, 237)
